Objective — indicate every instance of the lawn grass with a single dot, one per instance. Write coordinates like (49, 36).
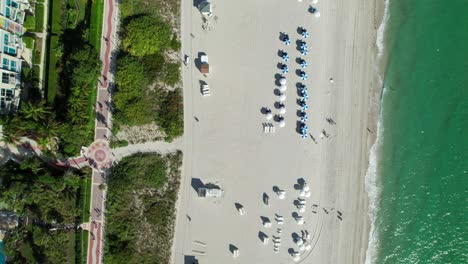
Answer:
(95, 24)
(39, 18)
(56, 17)
(29, 23)
(52, 74)
(28, 41)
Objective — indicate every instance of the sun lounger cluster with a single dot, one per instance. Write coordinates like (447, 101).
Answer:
(268, 128)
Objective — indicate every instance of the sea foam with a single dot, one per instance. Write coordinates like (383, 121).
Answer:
(371, 182)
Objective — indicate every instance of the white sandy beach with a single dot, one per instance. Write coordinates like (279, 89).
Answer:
(227, 146)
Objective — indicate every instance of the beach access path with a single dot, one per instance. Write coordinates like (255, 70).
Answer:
(226, 146)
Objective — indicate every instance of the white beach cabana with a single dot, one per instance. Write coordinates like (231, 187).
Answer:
(282, 123)
(282, 81)
(281, 194)
(282, 97)
(282, 110)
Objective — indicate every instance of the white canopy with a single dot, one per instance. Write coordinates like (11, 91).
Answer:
(282, 110)
(299, 242)
(302, 193)
(269, 116)
(317, 14)
(282, 97)
(282, 81)
(283, 88)
(307, 194)
(282, 123)
(306, 187)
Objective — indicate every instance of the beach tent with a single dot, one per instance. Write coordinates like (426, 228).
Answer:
(282, 81)
(282, 110)
(282, 123)
(205, 8)
(282, 97)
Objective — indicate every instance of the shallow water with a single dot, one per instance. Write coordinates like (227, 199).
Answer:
(422, 165)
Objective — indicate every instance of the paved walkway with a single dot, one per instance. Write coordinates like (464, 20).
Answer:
(99, 151)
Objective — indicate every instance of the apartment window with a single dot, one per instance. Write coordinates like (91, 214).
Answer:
(6, 39)
(9, 93)
(3, 92)
(5, 49)
(8, 2)
(7, 12)
(5, 64)
(12, 51)
(5, 79)
(13, 65)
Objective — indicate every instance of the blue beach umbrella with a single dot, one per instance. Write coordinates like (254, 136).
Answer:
(285, 69)
(285, 57)
(305, 34)
(303, 114)
(287, 42)
(304, 97)
(304, 52)
(303, 64)
(304, 119)
(304, 107)
(303, 76)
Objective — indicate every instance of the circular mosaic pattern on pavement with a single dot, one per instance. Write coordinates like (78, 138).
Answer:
(99, 154)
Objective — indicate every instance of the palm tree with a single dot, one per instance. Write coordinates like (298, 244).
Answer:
(35, 112)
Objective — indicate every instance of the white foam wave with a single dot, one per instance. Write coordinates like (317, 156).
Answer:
(371, 182)
(381, 31)
(373, 192)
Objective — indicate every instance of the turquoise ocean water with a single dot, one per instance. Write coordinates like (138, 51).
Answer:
(422, 165)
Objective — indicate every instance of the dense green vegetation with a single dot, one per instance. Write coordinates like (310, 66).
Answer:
(141, 208)
(147, 78)
(38, 191)
(145, 35)
(73, 67)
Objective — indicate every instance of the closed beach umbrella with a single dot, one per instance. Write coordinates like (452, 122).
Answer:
(269, 116)
(282, 97)
(283, 88)
(282, 110)
(282, 123)
(282, 81)
(317, 14)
